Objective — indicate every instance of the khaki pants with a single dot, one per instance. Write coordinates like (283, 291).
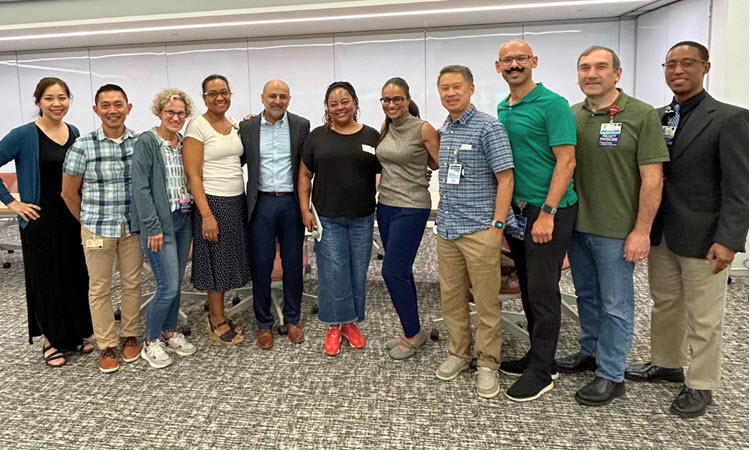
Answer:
(688, 315)
(472, 260)
(100, 263)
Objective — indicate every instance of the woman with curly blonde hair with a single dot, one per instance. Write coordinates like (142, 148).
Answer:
(161, 196)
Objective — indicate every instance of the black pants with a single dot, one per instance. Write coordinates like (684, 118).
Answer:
(538, 267)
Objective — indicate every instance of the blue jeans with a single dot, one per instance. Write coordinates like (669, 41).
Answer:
(168, 265)
(276, 217)
(343, 256)
(606, 302)
(401, 230)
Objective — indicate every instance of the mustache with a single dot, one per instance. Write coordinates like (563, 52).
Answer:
(514, 69)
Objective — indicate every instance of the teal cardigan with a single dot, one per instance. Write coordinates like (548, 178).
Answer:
(22, 146)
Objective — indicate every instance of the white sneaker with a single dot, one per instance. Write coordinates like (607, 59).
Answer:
(155, 355)
(488, 382)
(178, 344)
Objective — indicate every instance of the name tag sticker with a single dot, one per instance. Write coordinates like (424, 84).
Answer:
(368, 149)
(454, 174)
(668, 132)
(465, 146)
(519, 232)
(609, 134)
(94, 244)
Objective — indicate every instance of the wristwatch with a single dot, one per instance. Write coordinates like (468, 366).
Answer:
(548, 209)
(497, 224)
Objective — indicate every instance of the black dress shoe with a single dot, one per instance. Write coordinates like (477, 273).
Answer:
(650, 372)
(691, 402)
(600, 392)
(576, 363)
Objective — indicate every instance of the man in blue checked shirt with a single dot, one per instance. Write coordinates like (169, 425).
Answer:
(96, 189)
(473, 210)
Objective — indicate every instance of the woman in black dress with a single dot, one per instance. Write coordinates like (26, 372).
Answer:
(54, 266)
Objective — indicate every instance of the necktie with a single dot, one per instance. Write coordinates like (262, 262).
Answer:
(675, 119)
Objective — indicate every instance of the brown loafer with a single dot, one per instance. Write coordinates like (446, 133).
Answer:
(295, 333)
(265, 338)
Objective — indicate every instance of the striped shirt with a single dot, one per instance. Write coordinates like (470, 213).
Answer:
(177, 184)
(104, 165)
(480, 144)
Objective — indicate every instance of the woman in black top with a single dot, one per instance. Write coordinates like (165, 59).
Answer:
(340, 155)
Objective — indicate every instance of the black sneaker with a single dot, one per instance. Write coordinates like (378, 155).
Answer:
(516, 367)
(528, 388)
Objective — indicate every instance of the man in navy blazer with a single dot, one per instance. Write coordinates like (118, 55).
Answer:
(273, 142)
(701, 224)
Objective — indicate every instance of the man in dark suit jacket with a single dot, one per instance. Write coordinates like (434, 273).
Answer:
(702, 223)
(273, 142)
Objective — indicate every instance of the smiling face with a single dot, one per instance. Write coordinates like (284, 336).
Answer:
(54, 103)
(173, 115)
(455, 93)
(275, 98)
(393, 109)
(218, 97)
(596, 74)
(341, 107)
(514, 72)
(686, 81)
(112, 108)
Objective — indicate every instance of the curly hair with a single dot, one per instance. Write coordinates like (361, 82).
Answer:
(166, 96)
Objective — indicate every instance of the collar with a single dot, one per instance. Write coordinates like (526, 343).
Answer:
(263, 120)
(156, 133)
(465, 116)
(127, 135)
(621, 101)
(690, 103)
(529, 97)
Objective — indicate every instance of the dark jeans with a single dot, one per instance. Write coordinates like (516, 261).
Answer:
(538, 267)
(276, 218)
(401, 230)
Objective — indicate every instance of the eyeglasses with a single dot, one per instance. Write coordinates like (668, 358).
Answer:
(168, 113)
(213, 94)
(686, 64)
(396, 100)
(520, 59)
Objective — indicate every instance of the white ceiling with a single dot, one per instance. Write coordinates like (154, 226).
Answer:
(33, 25)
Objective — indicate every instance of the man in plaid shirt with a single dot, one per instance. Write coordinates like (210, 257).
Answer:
(96, 189)
(473, 210)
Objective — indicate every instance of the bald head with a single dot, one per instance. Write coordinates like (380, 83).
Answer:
(275, 98)
(515, 63)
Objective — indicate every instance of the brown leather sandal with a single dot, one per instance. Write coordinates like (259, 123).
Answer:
(226, 337)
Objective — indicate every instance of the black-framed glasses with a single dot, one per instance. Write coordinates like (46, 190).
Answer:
(520, 59)
(213, 94)
(168, 113)
(686, 64)
(396, 100)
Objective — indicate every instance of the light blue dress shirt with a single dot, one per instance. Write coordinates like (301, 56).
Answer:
(275, 156)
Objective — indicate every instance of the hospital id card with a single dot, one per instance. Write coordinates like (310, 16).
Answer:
(668, 132)
(609, 134)
(454, 174)
(94, 244)
(519, 232)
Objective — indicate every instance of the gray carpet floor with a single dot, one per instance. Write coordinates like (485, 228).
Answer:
(293, 396)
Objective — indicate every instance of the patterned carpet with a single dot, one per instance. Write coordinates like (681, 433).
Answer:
(293, 396)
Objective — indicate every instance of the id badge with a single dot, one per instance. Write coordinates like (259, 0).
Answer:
(519, 232)
(185, 205)
(609, 134)
(454, 174)
(94, 244)
(668, 132)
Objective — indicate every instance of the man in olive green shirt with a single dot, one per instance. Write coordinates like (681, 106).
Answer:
(618, 179)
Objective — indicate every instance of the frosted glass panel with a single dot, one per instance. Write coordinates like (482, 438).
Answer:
(305, 64)
(72, 66)
(10, 113)
(190, 64)
(369, 60)
(558, 47)
(140, 71)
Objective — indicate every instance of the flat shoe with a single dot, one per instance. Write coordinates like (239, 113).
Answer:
(411, 349)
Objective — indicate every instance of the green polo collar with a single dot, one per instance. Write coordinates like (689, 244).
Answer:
(621, 101)
(531, 96)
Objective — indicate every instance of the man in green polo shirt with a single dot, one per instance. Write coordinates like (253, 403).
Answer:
(618, 179)
(542, 134)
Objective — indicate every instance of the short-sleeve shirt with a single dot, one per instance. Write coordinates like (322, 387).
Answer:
(607, 178)
(480, 144)
(104, 164)
(539, 121)
(222, 170)
(345, 167)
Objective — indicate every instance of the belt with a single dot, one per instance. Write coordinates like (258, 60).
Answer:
(276, 194)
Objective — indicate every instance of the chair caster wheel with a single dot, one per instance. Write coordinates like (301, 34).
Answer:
(186, 331)
(729, 279)
(434, 334)
(315, 309)
(118, 314)
(380, 256)
(6, 265)
(473, 364)
(308, 269)
(205, 307)
(235, 301)
(282, 330)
